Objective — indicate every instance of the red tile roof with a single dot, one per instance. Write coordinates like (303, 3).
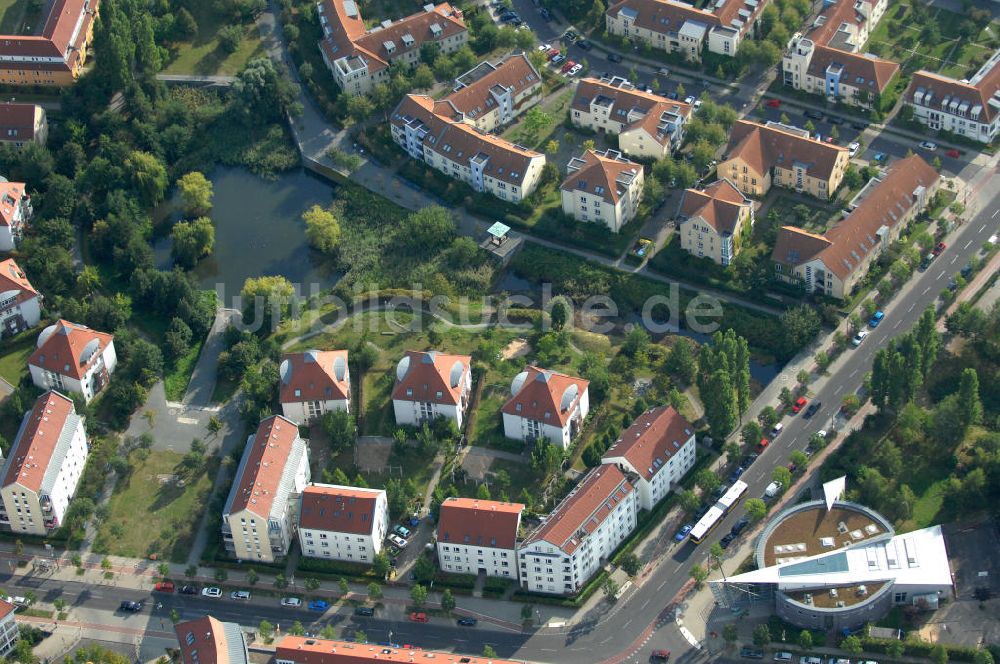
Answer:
(33, 449)
(607, 170)
(17, 121)
(516, 73)
(314, 375)
(623, 99)
(479, 522)
(430, 376)
(544, 396)
(308, 650)
(977, 92)
(652, 439)
(11, 194)
(874, 72)
(764, 148)
(69, 349)
(833, 15)
(719, 205)
(6, 608)
(584, 509)
(13, 279)
(665, 16)
(341, 509)
(261, 478)
(60, 37)
(203, 641)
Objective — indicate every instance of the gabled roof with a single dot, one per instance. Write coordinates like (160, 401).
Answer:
(45, 434)
(719, 205)
(271, 453)
(341, 509)
(6, 608)
(982, 91)
(69, 349)
(606, 174)
(431, 376)
(650, 442)
(474, 98)
(311, 650)
(17, 121)
(623, 99)
(795, 246)
(314, 375)
(207, 640)
(765, 147)
(664, 16)
(13, 282)
(66, 27)
(545, 396)
(584, 509)
(11, 194)
(834, 15)
(487, 523)
(861, 71)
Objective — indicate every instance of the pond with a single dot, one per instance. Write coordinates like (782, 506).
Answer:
(258, 231)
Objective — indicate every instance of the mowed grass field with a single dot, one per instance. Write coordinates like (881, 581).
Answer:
(203, 55)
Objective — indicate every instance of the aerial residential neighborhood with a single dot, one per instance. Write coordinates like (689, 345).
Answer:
(499, 331)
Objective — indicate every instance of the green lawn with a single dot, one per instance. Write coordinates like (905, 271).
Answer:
(151, 513)
(19, 17)
(177, 376)
(204, 56)
(14, 354)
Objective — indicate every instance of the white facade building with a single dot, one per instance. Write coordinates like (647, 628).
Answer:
(429, 385)
(43, 468)
(343, 522)
(969, 108)
(314, 382)
(261, 513)
(20, 303)
(207, 640)
(478, 537)
(8, 628)
(73, 358)
(546, 404)
(602, 188)
(15, 212)
(659, 447)
(560, 556)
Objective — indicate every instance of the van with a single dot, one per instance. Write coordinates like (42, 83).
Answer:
(772, 489)
(777, 429)
(782, 656)
(810, 660)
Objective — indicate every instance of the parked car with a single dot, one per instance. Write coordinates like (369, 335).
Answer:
(211, 591)
(835, 121)
(467, 621)
(569, 65)
(810, 660)
(164, 587)
(577, 68)
(748, 461)
(673, 95)
(402, 531)
(853, 148)
(762, 445)
(683, 532)
(720, 491)
(130, 607)
(859, 337)
(799, 404)
(689, 100)
(188, 590)
(545, 14)
(698, 104)
(776, 429)
(740, 526)
(664, 72)
(774, 103)
(880, 157)
(782, 656)
(701, 510)
(659, 655)
(939, 248)
(614, 57)
(553, 52)
(366, 611)
(544, 47)
(559, 59)
(926, 262)
(772, 489)
(811, 410)
(876, 319)
(291, 601)
(419, 617)
(398, 541)
(735, 475)
(838, 660)
(242, 595)
(860, 126)
(585, 44)
(726, 540)
(815, 115)
(319, 605)
(751, 653)
(930, 146)
(954, 154)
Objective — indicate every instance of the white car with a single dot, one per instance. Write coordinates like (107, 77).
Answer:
(698, 104)
(240, 594)
(852, 149)
(778, 428)
(545, 47)
(291, 601)
(859, 337)
(771, 491)
(663, 71)
(689, 100)
(782, 656)
(398, 541)
(821, 433)
(928, 145)
(211, 591)
(810, 660)
(575, 70)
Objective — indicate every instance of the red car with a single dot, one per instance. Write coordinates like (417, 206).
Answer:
(553, 52)
(418, 617)
(660, 655)
(799, 404)
(774, 103)
(941, 246)
(953, 153)
(762, 445)
(164, 587)
(569, 65)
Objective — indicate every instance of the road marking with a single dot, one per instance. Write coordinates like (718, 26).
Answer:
(925, 290)
(660, 587)
(898, 322)
(953, 259)
(186, 420)
(853, 373)
(939, 276)
(910, 309)
(644, 605)
(838, 390)
(967, 244)
(626, 623)
(678, 569)
(995, 213)
(983, 227)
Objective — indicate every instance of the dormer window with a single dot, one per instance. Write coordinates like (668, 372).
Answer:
(298, 392)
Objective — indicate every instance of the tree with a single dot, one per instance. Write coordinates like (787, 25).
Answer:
(761, 635)
(733, 452)
(374, 591)
(418, 594)
(360, 636)
(423, 77)
(230, 37)
(297, 629)
(707, 480)
(689, 501)
(345, 588)
(809, 126)
(768, 417)
(214, 425)
(483, 492)
(939, 654)
(428, 230)
(196, 194)
(610, 587)
(149, 177)
(185, 27)
(631, 564)
(322, 229)
(752, 433)
(799, 326)
(447, 601)
(192, 241)
(799, 458)
(730, 633)
(265, 92)
(702, 154)
(560, 312)
(681, 363)
(699, 574)
(784, 119)
(266, 630)
(177, 338)
(782, 475)
(312, 583)
(328, 632)
(280, 581)
(852, 644)
(424, 570)
(756, 509)
(982, 656)
(535, 120)
(381, 564)
(805, 639)
(252, 576)
(489, 652)
(968, 397)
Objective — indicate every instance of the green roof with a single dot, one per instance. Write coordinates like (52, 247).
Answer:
(498, 229)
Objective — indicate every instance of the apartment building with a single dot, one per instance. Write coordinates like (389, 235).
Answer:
(73, 358)
(314, 382)
(489, 96)
(857, 79)
(315, 650)
(759, 155)
(602, 187)
(577, 538)
(55, 56)
(647, 125)
(15, 212)
(433, 132)
(679, 27)
(429, 385)
(659, 449)
(968, 108)
(43, 467)
(21, 124)
(343, 522)
(546, 404)
(9, 633)
(478, 537)
(714, 222)
(359, 57)
(207, 640)
(20, 303)
(261, 514)
(832, 264)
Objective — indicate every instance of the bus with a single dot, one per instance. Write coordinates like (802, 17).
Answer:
(711, 519)
(732, 496)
